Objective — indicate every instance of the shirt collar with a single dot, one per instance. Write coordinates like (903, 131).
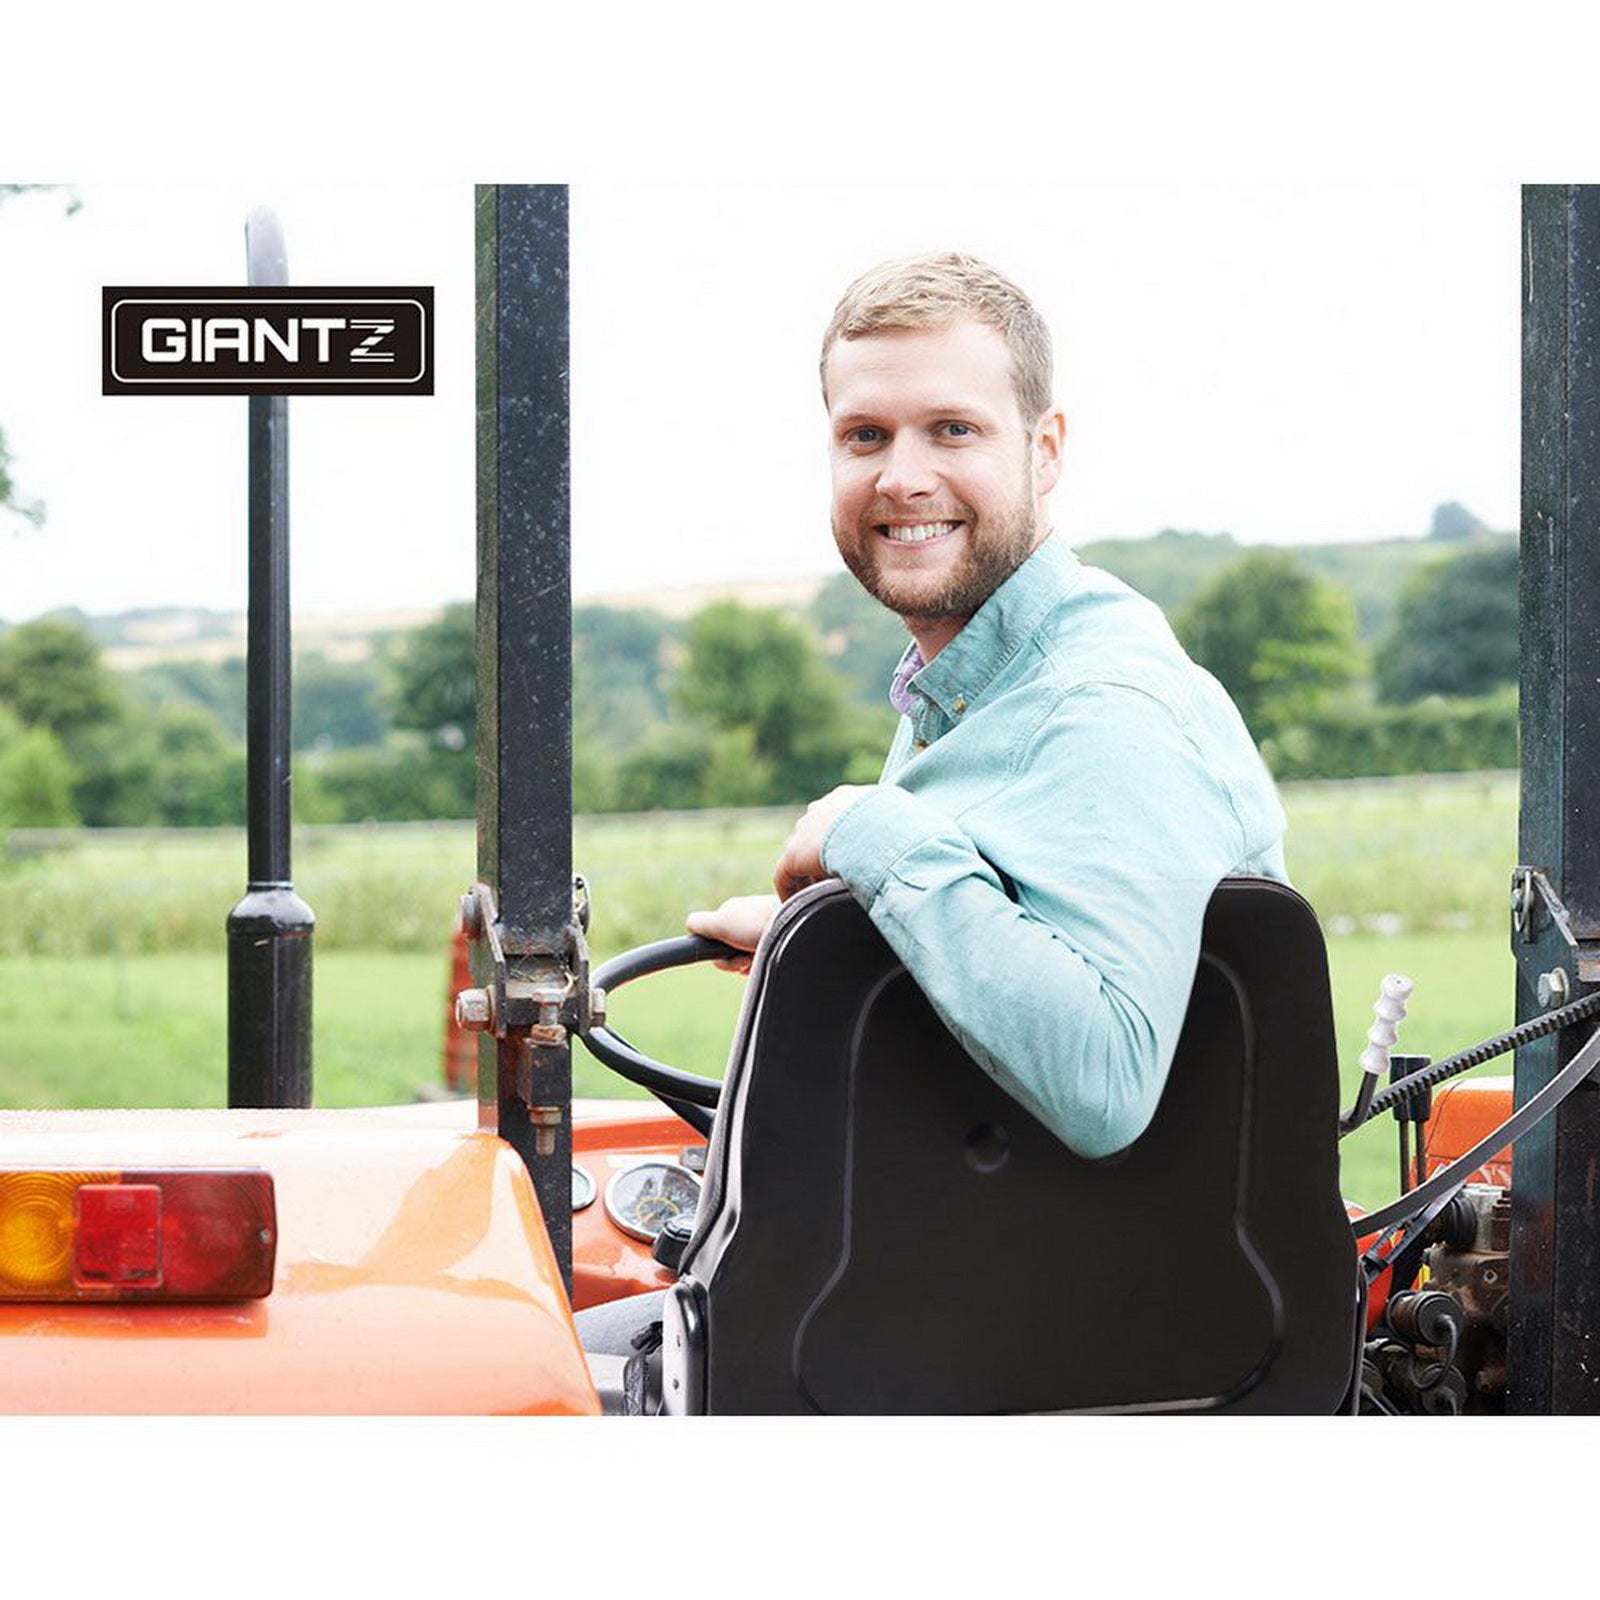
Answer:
(998, 630)
(900, 695)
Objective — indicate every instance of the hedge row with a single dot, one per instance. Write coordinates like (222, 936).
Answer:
(1432, 735)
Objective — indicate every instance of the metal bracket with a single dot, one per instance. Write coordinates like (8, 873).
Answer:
(1536, 911)
(1556, 964)
(550, 998)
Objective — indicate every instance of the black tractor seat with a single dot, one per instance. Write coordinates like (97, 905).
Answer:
(884, 1230)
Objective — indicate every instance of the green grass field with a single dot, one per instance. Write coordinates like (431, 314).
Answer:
(112, 967)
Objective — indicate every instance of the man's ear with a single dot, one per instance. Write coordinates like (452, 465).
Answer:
(1049, 444)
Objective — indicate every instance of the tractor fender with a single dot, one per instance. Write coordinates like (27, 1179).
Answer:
(413, 1275)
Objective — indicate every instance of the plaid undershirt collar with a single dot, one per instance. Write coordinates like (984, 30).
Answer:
(900, 695)
(1000, 627)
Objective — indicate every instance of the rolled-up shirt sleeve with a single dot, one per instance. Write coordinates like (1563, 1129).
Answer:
(1052, 915)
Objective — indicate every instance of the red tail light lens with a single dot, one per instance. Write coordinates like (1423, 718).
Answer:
(137, 1235)
(118, 1240)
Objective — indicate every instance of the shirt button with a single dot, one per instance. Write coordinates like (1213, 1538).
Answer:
(959, 704)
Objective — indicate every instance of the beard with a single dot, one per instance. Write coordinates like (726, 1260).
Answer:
(990, 552)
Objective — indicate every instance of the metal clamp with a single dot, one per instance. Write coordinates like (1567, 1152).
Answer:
(1559, 962)
(550, 998)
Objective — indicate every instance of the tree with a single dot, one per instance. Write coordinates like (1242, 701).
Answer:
(52, 677)
(1278, 638)
(759, 670)
(36, 777)
(11, 498)
(217, 687)
(436, 679)
(171, 767)
(1455, 628)
(401, 781)
(618, 655)
(1452, 520)
(620, 678)
(337, 704)
(863, 640)
(9, 191)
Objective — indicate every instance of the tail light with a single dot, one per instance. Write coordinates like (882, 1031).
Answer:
(136, 1235)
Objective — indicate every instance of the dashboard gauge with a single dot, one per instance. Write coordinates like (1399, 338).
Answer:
(641, 1199)
(582, 1188)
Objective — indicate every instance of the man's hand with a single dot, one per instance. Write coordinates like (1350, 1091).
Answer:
(801, 861)
(740, 922)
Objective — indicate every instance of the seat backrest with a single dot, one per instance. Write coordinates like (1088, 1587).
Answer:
(883, 1230)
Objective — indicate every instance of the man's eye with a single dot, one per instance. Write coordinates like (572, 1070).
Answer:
(864, 435)
(956, 430)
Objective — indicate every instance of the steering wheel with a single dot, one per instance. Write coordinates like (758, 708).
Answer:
(686, 1094)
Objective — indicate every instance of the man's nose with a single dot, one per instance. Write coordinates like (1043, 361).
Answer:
(906, 469)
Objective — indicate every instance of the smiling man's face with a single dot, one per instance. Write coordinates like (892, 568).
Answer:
(938, 482)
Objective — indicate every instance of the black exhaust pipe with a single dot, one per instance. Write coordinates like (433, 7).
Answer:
(269, 930)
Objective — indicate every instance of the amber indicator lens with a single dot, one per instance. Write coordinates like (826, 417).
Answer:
(137, 1235)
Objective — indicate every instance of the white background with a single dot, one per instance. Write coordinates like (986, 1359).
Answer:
(1361, 95)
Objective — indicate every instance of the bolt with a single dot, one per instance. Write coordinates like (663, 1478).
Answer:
(597, 1008)
(549, 1029)
(471, 915)
(1553, 987)
(545, 1120)
(1522, 902)
(473, 1010)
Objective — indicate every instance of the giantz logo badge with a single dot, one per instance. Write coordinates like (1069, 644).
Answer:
(266, 341)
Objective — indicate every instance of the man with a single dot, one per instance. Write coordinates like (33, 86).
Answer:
(1066, 787)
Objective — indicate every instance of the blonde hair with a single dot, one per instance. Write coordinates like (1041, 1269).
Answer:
(935, 291)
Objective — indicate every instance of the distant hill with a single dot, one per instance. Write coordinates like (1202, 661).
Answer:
(1171, 567)
(682, 601)
(154, 635)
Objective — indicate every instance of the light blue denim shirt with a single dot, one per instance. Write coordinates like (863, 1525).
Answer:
(1051, 821)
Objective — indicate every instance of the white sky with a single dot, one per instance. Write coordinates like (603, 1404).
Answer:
(1285, 362)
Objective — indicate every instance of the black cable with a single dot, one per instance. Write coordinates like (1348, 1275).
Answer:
(673, 1087)
(1450, 1178)
(658, 957)
(667, 1082)
(1443, 1366)
(697, 1117)
(1357, 1114)
(1452, 1066)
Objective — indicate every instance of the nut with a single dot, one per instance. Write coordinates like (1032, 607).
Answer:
(1553, 987)
(1522, 903)
(474, 1010)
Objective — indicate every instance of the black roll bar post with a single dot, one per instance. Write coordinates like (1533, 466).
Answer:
(1553, 1344)
(269, 930)
(526, 915)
